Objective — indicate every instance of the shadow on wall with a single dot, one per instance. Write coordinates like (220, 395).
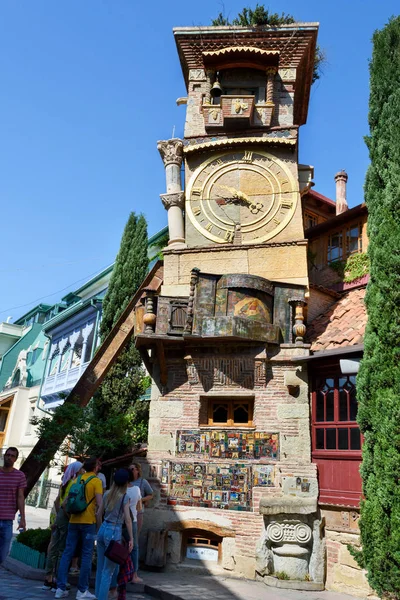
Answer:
(286, 540)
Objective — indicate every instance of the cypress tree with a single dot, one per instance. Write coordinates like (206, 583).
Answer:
(118, 417)
(378, 383)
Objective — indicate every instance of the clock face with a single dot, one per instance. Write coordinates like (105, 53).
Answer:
(242, 197)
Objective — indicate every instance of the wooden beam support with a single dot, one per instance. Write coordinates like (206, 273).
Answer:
(89, 382)
(144, 354)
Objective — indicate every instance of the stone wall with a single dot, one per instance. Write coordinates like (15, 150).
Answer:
(286, 262)
(343, 573)
(266, 379)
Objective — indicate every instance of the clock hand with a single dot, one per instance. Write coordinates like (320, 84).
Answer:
(237, 194)
(254, 207)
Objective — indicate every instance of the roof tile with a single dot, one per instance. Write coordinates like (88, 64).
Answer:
(343, 324)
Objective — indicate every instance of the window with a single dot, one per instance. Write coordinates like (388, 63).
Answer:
(178, 317)
(31, 414)
(228, 412)
(335, 247)
(310, 220)
(35, 355)
(54, 363)
(66, 358)
(344, 243)
(16, 378)
(335, 407)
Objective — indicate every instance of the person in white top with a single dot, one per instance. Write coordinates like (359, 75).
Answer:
(135, 503)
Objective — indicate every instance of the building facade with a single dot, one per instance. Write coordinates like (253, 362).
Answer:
(42, 356)
(248, 430)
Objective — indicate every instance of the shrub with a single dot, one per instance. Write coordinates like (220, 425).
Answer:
(37, 539)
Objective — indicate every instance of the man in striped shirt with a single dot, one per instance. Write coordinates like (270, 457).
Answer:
(12, 484)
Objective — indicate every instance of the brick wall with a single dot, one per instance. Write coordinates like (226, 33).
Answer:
(240, 371)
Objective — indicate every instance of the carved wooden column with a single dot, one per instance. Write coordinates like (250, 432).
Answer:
(210, 76)
(149, 318)
(172, 154)
(194, 277)
(299, 329)
(271, 72)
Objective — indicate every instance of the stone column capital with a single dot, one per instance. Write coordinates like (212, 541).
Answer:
(174, 199)
(171, 151)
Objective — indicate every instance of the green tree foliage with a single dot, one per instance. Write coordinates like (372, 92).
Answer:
(129, 271)
(118, 417)
(378, 383)
(261, 16)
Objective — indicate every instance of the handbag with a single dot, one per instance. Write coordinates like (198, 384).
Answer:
(115, 551)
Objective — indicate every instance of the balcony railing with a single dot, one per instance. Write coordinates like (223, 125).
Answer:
(237, 112)
(63, 381)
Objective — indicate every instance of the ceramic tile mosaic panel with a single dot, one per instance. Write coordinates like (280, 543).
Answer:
(209, 485)
(215, 485)
(226, 444)
(263, 475)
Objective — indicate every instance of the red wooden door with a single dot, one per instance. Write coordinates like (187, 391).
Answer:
(336, 438)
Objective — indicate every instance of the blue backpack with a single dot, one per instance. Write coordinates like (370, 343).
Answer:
(76, 501)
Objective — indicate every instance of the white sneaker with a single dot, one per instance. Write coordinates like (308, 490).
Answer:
(85, 595)
(61, 593)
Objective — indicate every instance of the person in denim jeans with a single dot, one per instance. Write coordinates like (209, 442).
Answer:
(82, 526)
(135, 504)
(116, 510)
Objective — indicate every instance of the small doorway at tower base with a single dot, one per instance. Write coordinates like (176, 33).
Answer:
(199, 546)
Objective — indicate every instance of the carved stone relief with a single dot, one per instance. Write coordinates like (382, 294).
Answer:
(197, 75)
(291, 542)
(171, 151)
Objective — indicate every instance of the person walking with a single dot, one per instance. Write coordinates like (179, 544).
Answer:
(146, 492)
(12, 485)
(82, 527)
(136, 507)
(115, 508)
(60, 527)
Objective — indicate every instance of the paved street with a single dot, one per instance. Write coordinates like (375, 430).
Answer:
(13, 587)
(35, 517)
(181, 584)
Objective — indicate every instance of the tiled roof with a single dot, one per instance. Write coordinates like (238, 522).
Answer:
(343, 324)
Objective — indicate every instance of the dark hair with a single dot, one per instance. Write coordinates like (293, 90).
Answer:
(90, 464)
(13, 449)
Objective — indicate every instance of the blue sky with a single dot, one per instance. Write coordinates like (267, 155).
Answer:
(87, 90)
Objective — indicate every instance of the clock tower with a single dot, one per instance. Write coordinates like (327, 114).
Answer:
(222, 319)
